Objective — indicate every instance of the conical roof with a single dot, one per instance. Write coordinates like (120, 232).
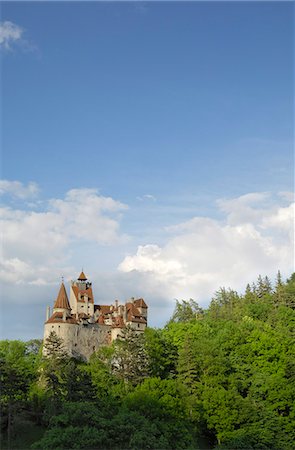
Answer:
(82, 276)
(62, 300)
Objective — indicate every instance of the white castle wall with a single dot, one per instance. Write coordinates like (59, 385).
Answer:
(80, 340)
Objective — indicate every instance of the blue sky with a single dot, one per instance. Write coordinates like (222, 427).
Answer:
(166, 108)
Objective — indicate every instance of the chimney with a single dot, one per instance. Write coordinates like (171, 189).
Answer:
(116, 303)
(47, 313)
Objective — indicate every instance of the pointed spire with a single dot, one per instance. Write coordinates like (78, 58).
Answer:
(62, 300)
(82, 276)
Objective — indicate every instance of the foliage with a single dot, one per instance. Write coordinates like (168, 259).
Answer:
(186, 310)
(161, 354)
(129, 362)
(222, 378)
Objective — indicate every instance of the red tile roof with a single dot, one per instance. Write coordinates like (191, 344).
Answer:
(105, 309)
(138, 320)
(82, 276)
(62, 299)
(133, 314)
(57, 317)
(140, 303)
(88, 291)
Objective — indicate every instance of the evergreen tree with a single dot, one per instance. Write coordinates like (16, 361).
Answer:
(53, 369)
(130, 360)
(16, 374)
(186, 310)
(263, 286)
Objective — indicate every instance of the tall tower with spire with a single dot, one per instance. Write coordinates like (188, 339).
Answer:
(61, 303)
(81, 296)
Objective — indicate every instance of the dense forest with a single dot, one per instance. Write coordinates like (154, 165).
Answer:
(221, 378)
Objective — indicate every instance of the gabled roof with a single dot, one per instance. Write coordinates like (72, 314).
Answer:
(105, 309)
(87, 291)
(62, 300)
(140, 303)
(137, 320)
(57, 317)
(82, 276)
(133, 314)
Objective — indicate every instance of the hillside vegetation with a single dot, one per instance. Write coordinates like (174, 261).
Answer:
(219, 378)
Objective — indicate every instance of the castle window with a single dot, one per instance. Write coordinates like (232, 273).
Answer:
(138, 325)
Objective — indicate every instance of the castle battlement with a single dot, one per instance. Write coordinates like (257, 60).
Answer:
(85, 326)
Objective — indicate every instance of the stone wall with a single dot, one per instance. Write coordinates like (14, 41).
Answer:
(80, 340)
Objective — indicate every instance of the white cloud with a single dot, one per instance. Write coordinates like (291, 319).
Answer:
(286, 195)
(256, 236)
(9, 34)
(38, 245)
(247, 208)
(18, 190)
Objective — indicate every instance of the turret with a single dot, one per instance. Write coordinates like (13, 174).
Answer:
(61, 321)
(81, 296)
(47, 312)
(62, 302)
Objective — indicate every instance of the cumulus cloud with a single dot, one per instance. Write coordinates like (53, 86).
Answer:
(10, 33)
(18, 189)
(254, 236)
(36, 244)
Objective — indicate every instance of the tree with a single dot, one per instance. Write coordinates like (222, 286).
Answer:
(54, 348)
(161, 353)
(130, 361)
(53, 370)
(100, 369)
(16, 374)
(78, 385)
(186, 310)
(224, 303)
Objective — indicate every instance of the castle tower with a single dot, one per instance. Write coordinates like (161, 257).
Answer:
(61, 320)
(81, 297)
(61, 303)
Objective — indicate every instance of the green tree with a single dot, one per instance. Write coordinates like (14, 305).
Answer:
(186, 310)
(100, 369)
(130, 360)
(161, 353)
(16, 375)
(52, 371)
(224, 303)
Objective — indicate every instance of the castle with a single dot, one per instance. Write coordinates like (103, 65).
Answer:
(84, 326)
